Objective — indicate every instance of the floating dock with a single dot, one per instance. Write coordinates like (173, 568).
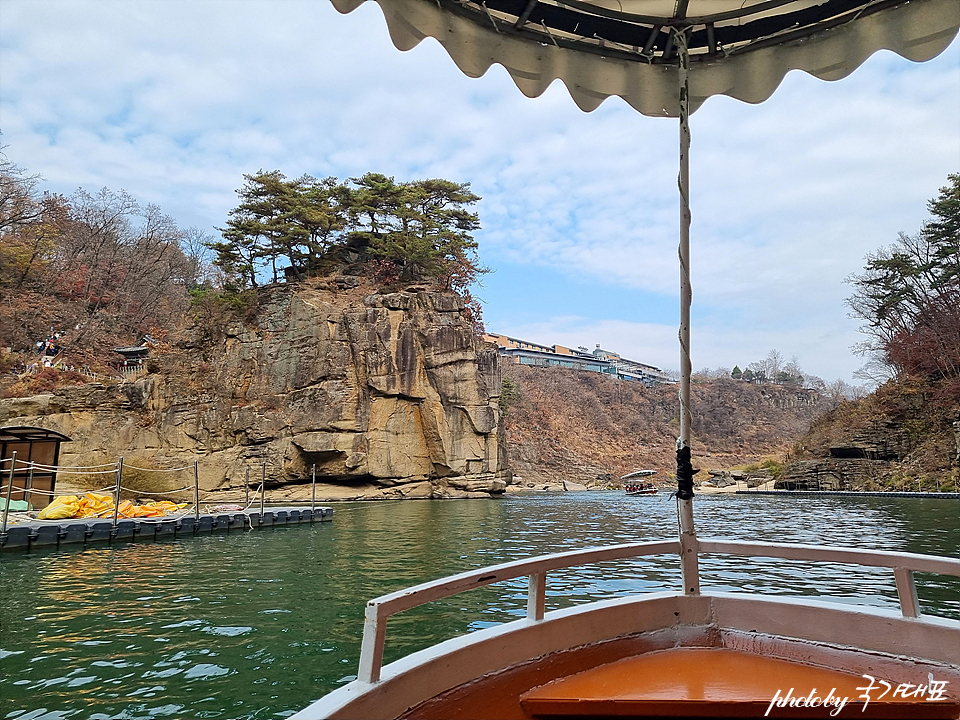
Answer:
(88, 531)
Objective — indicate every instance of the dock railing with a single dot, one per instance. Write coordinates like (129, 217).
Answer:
(16, 478)
(379, 610)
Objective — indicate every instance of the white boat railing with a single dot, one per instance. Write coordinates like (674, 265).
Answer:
(904, 565)
(379, 610)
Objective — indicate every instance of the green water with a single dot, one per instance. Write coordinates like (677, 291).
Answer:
(259, 624)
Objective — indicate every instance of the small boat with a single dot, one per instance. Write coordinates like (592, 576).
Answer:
(638, 474)
(641, 489)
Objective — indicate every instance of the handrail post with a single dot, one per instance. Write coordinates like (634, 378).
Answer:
(907, 592)
(246, 489)
(313, 496)
(263, 488)
(116, 501)
(28, 485)
(371, 647)
(196, 490)
(6, 507)
(689, 553)
(536, 595)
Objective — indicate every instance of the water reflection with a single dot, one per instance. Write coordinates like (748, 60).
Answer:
(257, 624)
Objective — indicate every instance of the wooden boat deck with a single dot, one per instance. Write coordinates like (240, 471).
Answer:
(722, 683)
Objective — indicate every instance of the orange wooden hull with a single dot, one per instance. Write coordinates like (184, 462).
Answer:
(717, 682)
(637, 678)
(667, 654)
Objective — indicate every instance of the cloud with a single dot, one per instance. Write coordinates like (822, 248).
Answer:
(174, 100)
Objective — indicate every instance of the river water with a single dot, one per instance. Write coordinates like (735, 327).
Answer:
(258, 624)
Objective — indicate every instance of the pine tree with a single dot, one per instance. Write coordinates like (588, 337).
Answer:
(413, 231)
(909, 294)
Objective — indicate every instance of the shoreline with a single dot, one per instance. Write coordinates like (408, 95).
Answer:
(855, 493)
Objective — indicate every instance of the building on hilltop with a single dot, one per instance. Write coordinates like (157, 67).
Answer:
(601, 361)
(631, 369)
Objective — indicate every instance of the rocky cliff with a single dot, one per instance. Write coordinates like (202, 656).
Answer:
(388, 395)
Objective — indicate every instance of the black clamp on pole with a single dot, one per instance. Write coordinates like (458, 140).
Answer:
(685, 473)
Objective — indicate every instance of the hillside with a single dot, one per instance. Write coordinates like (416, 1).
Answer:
(904, 436)
(583, 427)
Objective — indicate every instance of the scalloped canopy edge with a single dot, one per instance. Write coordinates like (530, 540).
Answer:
(918, 30)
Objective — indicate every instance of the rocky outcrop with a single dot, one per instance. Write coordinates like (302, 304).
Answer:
(834, 474)
(858, 459)
(901, 437)
(737, 478)
(884, 439)
(391, 397)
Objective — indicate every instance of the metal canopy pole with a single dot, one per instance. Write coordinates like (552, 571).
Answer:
(116, 504)
(28, 495)
(688, 536)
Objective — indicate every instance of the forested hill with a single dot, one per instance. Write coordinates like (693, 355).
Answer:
(585, 427)
(83, 274)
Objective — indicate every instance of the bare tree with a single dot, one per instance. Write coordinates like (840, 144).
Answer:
(773, 365)
(19, 204)
(195, 244)
(793, 371)
(98, 267)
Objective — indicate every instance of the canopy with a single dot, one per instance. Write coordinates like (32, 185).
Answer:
(600, 48)
(24, 433)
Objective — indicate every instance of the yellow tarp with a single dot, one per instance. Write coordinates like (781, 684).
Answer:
(98, 505)
(154, 509)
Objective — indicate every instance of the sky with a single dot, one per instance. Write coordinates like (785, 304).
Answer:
(175, 100)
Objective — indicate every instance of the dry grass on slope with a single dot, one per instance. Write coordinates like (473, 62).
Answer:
(583, 426)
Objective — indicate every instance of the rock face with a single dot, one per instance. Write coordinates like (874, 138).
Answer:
(879, 440)
(901, 437)
(857, 461)
(848, 473)
(877, 454)
(391, 397)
